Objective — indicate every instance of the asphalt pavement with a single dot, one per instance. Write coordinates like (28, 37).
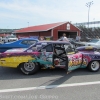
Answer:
(53, 84)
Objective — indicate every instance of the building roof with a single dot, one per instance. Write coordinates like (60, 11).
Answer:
(39, 28)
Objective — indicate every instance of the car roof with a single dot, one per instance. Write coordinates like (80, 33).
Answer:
(28, 39)
(20, 40)
(61, 42)
(50, 42)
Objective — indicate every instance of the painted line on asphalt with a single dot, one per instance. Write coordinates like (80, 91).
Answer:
(49, 87)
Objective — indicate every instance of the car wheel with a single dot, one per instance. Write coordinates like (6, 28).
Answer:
(94, 66)
(29, 68)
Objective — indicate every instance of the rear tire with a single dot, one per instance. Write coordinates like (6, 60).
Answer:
(94, 66)
(29, 68)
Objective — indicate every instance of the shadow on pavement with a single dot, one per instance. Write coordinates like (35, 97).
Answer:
(10, 73)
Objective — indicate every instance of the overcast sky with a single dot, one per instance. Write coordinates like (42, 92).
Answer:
(16, 14)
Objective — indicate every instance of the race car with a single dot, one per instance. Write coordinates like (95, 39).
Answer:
(52, 54)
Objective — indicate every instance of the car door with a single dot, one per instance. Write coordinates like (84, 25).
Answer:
(60, 58)
(47, 56)
(74, 59)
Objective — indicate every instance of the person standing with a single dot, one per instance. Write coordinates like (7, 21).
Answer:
(41, 38)
(64, 38)
(78, 38)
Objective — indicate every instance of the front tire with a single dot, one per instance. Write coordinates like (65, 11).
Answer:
(29, 68)
(94, 66)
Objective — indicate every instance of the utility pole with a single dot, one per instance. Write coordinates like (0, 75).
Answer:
(89, 5)
(28, 24)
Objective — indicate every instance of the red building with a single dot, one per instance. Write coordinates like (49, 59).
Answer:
(54, 30)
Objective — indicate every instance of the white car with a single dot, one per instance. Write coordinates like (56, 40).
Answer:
(9, 38)
(92, 42)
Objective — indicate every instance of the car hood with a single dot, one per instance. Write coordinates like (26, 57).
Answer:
(89, 43)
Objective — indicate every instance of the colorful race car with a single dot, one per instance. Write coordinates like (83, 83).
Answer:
(52, 54)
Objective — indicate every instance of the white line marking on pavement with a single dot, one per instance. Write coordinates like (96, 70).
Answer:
(49, 87)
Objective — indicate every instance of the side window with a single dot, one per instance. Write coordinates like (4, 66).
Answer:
(69, 49)
(48, 48)
(59, 49)
(30, 42)
(24, 42)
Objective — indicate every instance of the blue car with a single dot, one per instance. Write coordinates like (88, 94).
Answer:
(22, 43)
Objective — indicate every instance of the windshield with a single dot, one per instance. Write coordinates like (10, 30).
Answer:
(94, 41)
(35, 47)
(71, 39)
(11, 36)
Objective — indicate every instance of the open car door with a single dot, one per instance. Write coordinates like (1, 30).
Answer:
(60, 58)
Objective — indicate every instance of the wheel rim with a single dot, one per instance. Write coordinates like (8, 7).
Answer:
(29, 66)
(95, 65)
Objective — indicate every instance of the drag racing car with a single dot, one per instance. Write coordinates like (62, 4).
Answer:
(52, 54)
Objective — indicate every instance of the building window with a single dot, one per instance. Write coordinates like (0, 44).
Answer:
(68, 26)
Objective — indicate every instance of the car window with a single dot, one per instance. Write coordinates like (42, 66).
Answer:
(36, 46)
(28, 42)
(25, 42)
(48, 48)
(98, 42)
(59, 49)
(94, 40)
(69, 49)
(12, 36)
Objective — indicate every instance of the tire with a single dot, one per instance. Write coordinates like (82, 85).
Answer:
(94, 66)
(29, 68)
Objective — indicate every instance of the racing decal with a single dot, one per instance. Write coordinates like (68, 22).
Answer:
(4, 55)
(75, 60)
(95, 56)
(86, 60)
(14, 61)
(48, 58)
(45, 58)
(89, 47)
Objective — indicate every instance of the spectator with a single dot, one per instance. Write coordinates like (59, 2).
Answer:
(78, 38)
(64, 38)
(41, 38)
